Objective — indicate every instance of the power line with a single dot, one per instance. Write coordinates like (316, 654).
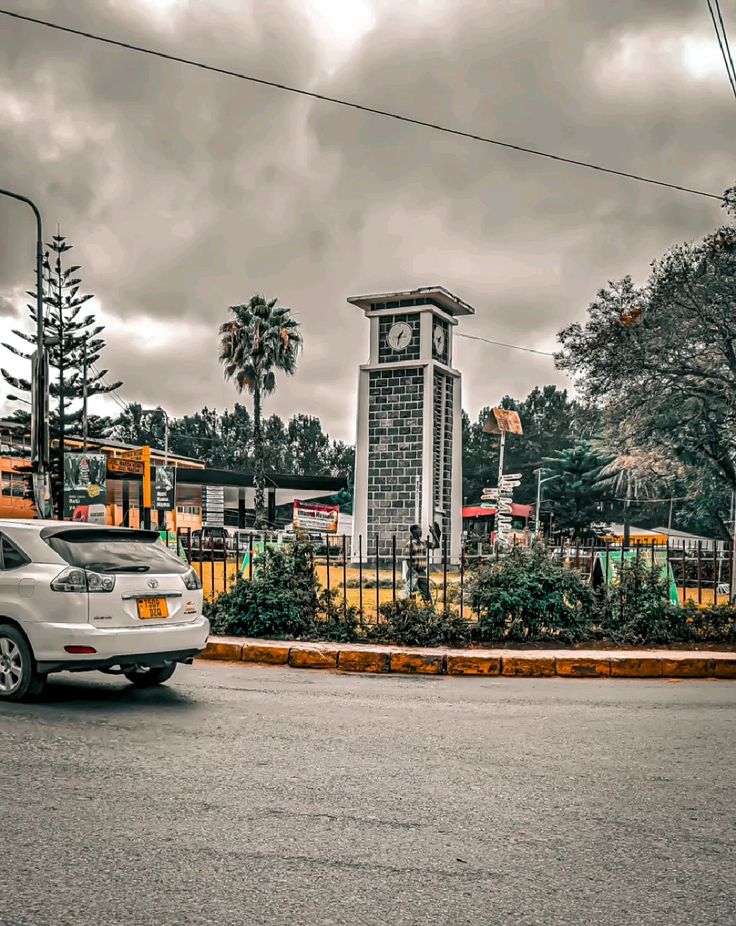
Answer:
(358, 106)
(725, 51)
(725, 38)
(529, 350)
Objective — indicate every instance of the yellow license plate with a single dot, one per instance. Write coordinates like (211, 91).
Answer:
(152, 607)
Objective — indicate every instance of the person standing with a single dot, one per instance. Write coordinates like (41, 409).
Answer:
(415, 564)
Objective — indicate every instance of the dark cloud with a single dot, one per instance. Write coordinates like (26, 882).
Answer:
(184, 192)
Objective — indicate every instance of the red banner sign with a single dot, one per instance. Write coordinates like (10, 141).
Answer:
(312, 516)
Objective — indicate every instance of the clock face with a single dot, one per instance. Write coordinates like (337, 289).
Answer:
(399, 336)
(440, 338)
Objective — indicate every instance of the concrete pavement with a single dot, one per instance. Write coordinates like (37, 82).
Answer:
(253, 795)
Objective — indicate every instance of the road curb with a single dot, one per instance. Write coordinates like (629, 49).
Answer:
(476, 663)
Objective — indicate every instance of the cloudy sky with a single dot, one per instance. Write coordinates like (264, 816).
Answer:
(183, 191)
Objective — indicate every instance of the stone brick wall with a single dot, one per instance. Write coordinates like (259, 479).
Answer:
(396, 401)
(442, 448)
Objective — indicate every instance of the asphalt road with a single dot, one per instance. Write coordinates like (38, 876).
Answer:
(269, 796)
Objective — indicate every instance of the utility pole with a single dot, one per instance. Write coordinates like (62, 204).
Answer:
(85, 427)
(540, 483)
(733, 547)
(39, 381)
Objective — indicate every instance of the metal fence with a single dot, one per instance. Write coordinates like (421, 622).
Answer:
(369, 579)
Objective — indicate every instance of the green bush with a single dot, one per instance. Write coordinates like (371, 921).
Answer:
(407, 623)
(635, 608)
(334, 621)
(279, 602)
(528, 597)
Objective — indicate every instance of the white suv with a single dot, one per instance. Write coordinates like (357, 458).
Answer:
(79, 597)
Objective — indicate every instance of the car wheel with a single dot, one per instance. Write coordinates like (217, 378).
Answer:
(145, 677)
(18, 676)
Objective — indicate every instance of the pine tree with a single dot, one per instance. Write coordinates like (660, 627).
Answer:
(70, 336)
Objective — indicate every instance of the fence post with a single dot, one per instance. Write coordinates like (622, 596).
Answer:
(684, 573)
(237, 557)
(327, 550)
(212, 563)
(715, 573)
(360, 575)
(462, 578)
(378, 584)
(700, 572)
(344, 577)
(444, 572)
(250, 556)
(393, 567)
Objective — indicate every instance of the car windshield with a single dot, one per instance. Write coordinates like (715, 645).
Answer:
(115, 551)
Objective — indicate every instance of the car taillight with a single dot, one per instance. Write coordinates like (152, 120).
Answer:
(74, 579)
(192, 580)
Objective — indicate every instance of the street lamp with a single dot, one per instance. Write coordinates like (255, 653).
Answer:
(540, 483)
(161, 411)
(39, 379)
(17, 398)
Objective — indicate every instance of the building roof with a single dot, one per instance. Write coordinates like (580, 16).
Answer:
(102, 442)
(425, 295)
(222, 477)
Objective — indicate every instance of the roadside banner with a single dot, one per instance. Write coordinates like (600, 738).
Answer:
(164, 488)
(85, 487)
(315, 517)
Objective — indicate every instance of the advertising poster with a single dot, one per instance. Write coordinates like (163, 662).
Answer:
(85, 487)
(164, 488)
(315, 517)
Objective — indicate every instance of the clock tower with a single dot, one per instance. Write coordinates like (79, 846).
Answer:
(408, 453)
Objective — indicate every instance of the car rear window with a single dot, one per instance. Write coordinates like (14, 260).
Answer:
(115, 551)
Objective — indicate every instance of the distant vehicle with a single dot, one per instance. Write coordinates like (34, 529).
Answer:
(207, 543)
(78, 597)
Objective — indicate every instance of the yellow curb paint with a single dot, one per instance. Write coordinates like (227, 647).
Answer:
(636, 667)
(687, 668)
(360, 660)
(533, 666)
(583, 666)
(271, 654)
(217, 649)
(473, 665)
(419, 663)
(312, 658)
(724, 668)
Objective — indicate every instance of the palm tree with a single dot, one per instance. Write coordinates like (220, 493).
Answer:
(639, 474)
(260, 339)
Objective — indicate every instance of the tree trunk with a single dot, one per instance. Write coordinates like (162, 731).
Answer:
(627, 518)
(259, 474)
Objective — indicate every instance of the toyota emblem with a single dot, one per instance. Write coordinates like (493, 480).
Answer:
(153, 583)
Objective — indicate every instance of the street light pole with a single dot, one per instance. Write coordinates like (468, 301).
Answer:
(39, 377)
(540, 483)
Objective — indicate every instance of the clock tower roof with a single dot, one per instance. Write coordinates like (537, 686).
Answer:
(425, 295)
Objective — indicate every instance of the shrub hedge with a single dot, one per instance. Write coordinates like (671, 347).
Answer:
(525, 597)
